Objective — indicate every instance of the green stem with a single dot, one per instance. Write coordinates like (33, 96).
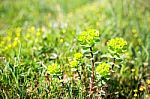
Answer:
(92, 76)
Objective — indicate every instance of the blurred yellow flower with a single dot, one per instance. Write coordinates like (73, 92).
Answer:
(135, 95)
(9, 46)
(14, 44)
(103, 69)
(78, 56)
(135, 90)
(8, 38)
(148, 81)
(53, 68)
(142, 88)
(31, 29)
(88, 37)
(61, 40)
(28, 36)
(73, 63)
(18, 31)
(2, 43)
(117, 45)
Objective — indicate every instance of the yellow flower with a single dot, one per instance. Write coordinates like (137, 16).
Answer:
(8, 38)
(135, 90)
(31, 29)
(117, 45)
(18, 31)
(2, 43)
(14, 44)
(135, 95)
(9, 46)
(73, 63)
(53, 69)
(88, 37)
(78, 56)
(38, 33)
(103, 69)
(148, 81)
(142, 88)
(28, 36)
(61, 40)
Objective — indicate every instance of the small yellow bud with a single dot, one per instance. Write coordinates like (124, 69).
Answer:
(135, 95)
(142, 88)
(148, 81)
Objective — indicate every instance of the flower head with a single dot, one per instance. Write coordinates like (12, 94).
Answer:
(78, 56)
(117, 45)
(88, 37)
(135, 95)
(73, 63)
(53, 69)
(142, 88)
(103, 69)
(148, 82)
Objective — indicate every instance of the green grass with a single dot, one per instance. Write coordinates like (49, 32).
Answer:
(49, 33)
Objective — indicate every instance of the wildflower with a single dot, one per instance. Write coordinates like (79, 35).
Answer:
(148, 81)
(135, 90)
(135, 95)
(103, 69)
(73, 63)
(18, 31)
(9, 46)
(88, 37)
(78, 56)
(28, 36)
(117, 45)
(31, 29)
(9, 33)
(8, 38)
(14, 44)
(142, 88)
(53, 69)
(38, 33)
(2, 43)
(61, 40)
(147, 96)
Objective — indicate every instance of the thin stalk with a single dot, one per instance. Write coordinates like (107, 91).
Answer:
(92, 76)
(79, 74)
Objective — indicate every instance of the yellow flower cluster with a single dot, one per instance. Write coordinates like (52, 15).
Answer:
(142, 88)
(76, 60)
(103, 69)
(13, 37)
(32, 33)
(73, 63)
(78, 56)
(148, 81)
(117, 45)
(10, 40)
(53, 69)
(135, 93)
(88, 37)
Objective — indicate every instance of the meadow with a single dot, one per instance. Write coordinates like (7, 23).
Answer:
(74, 49)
